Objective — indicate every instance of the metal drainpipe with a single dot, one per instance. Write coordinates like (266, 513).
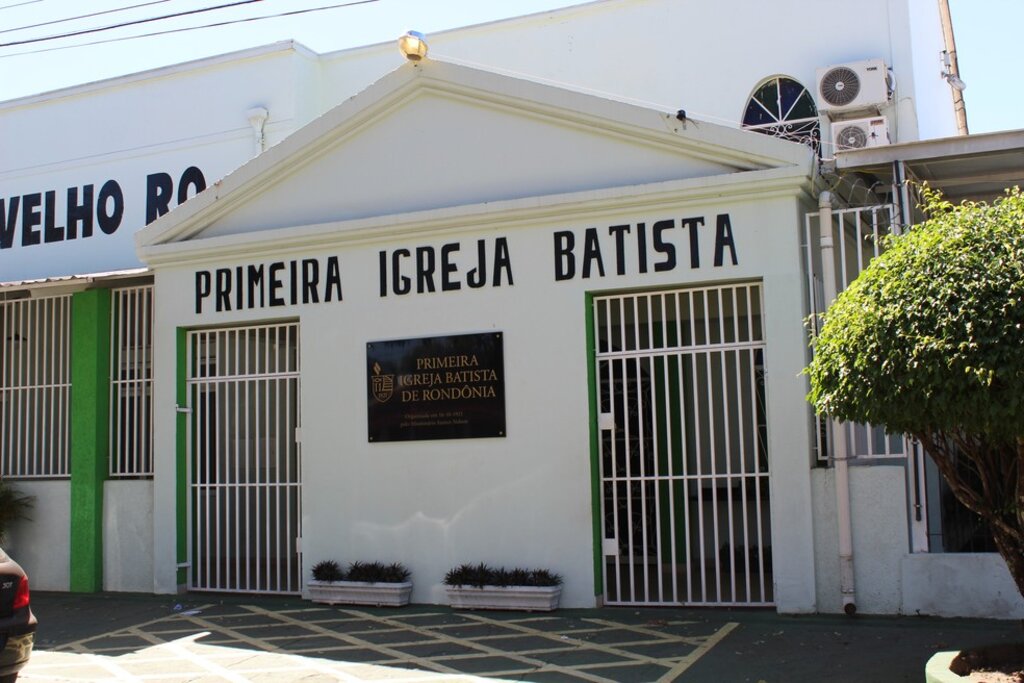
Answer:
(839, 452)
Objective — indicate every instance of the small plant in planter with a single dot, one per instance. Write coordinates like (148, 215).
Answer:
(479, 586)
(376, 572)
(363, 583)
(327, 570)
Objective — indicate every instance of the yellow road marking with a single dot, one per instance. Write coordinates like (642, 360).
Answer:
(214, 659)
(709, 643)
(76, 645)
(426, 663)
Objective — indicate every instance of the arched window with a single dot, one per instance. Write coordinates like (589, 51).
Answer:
(782, 107)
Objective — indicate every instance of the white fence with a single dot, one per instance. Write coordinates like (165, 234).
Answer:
(857, 238)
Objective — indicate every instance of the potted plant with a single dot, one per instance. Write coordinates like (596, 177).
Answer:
(1003, 662)
(13, 507)
(363, 583)
(478, 586)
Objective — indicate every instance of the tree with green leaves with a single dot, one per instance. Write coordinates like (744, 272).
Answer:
(929, 341)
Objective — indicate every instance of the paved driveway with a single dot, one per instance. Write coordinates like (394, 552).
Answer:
(209, 638)
(253, 642)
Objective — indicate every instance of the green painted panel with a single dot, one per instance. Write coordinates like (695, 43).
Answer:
(181, 456)
(595, 451)
(90, 428)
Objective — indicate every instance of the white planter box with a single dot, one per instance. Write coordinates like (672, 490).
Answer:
(360, 593)
(529, 598)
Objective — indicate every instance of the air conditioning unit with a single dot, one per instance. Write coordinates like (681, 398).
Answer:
(858, 86)
(860, 133)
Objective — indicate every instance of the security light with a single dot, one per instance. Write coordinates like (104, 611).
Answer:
(947, 71)
(413, 45)
(955, 81)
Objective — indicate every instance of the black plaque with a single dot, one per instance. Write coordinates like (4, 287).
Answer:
(436, 388)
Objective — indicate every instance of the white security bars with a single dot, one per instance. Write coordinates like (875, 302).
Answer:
(131, 406)
(683, 447)
(245, 459)
(35, 386)
(857, 234)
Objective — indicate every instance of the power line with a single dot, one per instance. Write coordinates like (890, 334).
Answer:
(129, 23)
(191, 28)
(19, 4)
(81, 16)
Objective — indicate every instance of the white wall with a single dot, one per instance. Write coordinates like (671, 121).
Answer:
(128, 535)
(355, 176)
(880, 537)
(42, 544)
(523, 499)
(959, 585)
(789, 436)
(127, 131)
(704, 58)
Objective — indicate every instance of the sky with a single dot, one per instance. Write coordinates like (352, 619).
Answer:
(985, 32)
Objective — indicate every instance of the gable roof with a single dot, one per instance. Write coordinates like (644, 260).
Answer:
(437, 135)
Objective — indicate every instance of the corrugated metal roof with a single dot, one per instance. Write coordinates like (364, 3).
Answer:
(87, 278)
(963, 167)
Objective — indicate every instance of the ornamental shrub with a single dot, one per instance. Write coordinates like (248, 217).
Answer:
(929, 341)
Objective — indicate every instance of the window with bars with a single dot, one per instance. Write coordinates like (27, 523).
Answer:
(940, 523)
(131, 403)
(35, 387)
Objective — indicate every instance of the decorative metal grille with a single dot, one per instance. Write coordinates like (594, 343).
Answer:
(35, 387)
(857, 235)
(245, 459)
(783, 108)
(683, 447)
(131, 404)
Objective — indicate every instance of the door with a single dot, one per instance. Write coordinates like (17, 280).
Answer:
(245, 459)
(683, 447)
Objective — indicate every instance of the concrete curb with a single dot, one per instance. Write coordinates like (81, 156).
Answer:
(937, 668)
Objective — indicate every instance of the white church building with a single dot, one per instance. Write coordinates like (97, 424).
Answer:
(536, 299)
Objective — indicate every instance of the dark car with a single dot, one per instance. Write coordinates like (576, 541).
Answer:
(17, 623)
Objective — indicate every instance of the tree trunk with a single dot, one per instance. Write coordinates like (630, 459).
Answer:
(1012, 550)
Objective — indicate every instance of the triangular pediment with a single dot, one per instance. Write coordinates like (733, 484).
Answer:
(438, 135)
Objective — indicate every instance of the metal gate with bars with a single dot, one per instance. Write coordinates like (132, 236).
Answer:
(245, 459)
(683, 447)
